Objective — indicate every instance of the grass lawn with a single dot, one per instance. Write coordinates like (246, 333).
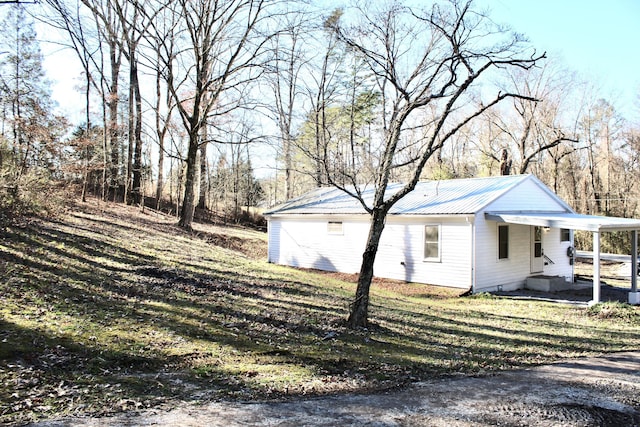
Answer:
(108, 309)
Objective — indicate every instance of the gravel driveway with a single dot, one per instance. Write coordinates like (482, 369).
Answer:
(601, 391)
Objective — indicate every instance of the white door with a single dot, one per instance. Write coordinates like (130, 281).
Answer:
(537, 253)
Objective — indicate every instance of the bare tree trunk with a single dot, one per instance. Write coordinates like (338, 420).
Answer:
(188, 203)
(131, 140)
(202, 197)
(235, 167)
(137, 154)
(87, 103)
(318, 148)
(160, 182)
(359, 312)
(113, 117)
(160, 132)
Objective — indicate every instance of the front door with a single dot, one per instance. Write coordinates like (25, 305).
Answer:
(537, 253)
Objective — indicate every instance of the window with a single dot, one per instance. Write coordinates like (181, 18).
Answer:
(537, 242)
(565, 235)
(432, 242)
(503, 241)
(334, 227)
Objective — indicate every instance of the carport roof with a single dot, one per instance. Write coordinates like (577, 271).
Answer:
(568, 220)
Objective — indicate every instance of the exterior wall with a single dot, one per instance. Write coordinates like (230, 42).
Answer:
(303, 241)
(510, 274)
(491, 272)
(527, 196)
(557, 252)
(401, 252)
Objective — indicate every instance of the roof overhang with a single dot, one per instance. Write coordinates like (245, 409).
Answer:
(568, 220)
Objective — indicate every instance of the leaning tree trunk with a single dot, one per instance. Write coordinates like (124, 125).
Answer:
(360, 306)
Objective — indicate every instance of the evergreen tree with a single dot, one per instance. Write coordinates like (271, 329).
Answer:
(27, 123)
(30, 152)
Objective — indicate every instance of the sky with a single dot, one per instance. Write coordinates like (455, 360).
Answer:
(598, 39)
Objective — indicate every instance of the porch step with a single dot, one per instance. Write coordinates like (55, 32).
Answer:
(547, 283)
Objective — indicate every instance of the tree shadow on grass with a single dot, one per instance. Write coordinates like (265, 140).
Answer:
(66, 284)
(47, 374)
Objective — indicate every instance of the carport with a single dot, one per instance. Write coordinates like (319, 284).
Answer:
(593, 223)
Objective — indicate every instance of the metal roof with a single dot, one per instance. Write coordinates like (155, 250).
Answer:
(566, 220)
(454, 197)
(447, 197)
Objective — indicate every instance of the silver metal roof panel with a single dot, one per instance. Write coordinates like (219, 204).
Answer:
(447, 197)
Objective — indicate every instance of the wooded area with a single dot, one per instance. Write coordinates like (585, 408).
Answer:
(183, 97)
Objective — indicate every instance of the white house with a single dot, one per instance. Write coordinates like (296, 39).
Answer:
(481, 234)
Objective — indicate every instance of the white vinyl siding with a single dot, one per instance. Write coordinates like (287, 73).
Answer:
(274, 242)
(304, 242)
(401, 252)
(491, 271)
(556, 251)
(527, 196)
(510, 274)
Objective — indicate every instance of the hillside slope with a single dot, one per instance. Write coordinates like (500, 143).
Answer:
(108, 309)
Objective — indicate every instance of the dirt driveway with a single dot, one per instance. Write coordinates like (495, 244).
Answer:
(603, 391)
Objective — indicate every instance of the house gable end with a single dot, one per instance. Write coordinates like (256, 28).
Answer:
(528, 195)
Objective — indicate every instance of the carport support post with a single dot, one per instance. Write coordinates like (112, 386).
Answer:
(634, 295)
(634, 261)
(596, 267)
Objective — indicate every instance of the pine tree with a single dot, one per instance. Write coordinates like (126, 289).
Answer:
(27, 122)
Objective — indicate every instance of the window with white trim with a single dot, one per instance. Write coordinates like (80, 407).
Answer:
(335, 227)
(432, 242)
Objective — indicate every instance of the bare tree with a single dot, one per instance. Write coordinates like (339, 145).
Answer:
(601, 127)
(218, 46)
(532, 127)
(162, 122)
(326, 85)
(421, 58)
(133, 30)
(283, 75)
(69, 21)
(109, 26)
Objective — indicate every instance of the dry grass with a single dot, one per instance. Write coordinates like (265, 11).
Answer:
(110, 309)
